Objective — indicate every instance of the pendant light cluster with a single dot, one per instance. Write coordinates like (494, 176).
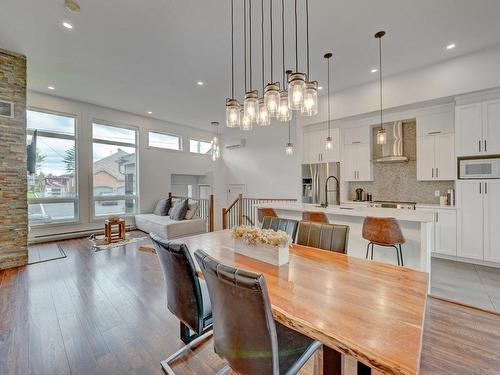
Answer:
(296, 92)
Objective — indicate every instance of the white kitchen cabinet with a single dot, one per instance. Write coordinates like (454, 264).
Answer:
(470, 219)
(436, 157)
(491, 219)
(313, 147)
(436, 123)
(357, 162)
(358, 134)
(477, 128)
(446, 232)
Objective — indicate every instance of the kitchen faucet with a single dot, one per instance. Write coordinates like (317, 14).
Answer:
(327, 191)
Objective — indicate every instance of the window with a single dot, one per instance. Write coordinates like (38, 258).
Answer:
(200, 147)
(114, 170)
(164, 140)
(52, 189)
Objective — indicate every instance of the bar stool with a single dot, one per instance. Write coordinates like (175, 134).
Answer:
(263, 212)
(316, 217)
(383, 231)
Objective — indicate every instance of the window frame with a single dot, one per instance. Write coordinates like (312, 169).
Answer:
(164, 148)
(200, 140)
(92, 198)
(75, 138)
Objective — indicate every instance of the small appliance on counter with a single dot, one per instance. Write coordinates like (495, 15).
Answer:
(369, 197)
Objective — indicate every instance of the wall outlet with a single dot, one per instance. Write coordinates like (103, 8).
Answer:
(437, 193)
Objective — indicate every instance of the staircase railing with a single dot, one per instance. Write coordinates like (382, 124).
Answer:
(243, 211)
(205, 209)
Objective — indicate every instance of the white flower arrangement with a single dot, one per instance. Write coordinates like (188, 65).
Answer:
(254, 236)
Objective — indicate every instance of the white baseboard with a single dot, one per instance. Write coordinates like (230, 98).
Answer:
(70, 235)
(466, 260)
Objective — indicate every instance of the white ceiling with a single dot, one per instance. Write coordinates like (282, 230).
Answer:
(147, 55)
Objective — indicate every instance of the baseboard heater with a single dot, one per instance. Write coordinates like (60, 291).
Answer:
(68, 235)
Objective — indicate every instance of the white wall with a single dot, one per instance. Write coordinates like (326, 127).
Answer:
(464, 74)
(262, 164)
(155, 165)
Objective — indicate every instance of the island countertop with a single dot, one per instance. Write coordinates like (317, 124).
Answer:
(398, 214)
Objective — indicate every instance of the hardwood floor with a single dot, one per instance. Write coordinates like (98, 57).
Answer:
(105, 313)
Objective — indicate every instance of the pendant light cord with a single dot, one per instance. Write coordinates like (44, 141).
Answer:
(296, 40)
(245, 41)
(380, 79)
(289, 131)
(307, 37)
(250, 38)
(272, 49)
(262, 40)
(329, 103)
(283, 39)
(232, 49)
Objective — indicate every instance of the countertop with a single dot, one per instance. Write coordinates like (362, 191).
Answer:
(404, 215)
(435, 206)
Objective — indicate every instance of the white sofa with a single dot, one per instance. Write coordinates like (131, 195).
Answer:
(169, 229)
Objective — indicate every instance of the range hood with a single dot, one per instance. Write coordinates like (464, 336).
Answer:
(392, 151)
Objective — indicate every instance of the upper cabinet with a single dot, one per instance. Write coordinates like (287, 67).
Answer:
(358, 154)
(477, 128)
(436, 157)
(313, 146)
(436, 123)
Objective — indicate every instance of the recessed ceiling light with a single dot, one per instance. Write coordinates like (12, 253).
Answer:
(51, 87)
(67, 25)
(200, 83)
(450, 46)
(320, 88)
(150, 113)
(374, 70)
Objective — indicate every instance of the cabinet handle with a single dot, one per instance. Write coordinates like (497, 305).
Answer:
(437, 217)
(432, 172)
(437, 132)
(485, 146)
(437, 172)
(480, 188)
(356, 142)
(354, 174)
(479, 145)
(485, 188)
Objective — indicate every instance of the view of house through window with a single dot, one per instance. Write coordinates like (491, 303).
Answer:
(52, 189)
(114, 156)
(200, 147)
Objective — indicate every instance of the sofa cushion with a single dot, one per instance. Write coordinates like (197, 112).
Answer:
(173, 201)
(179, 210)
(162, 207)
(191, 211)
(168, 228)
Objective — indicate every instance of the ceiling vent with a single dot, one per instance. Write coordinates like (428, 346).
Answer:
(6, 109)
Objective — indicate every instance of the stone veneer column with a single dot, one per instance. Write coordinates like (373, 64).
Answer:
(13, 181)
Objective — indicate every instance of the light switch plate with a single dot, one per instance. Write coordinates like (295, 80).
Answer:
(437, 193)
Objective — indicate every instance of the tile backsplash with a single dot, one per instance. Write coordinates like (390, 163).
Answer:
(398, 181)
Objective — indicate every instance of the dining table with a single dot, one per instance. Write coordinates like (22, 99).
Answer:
(368, 310)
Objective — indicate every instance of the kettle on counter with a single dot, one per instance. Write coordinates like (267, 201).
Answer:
(359, 195)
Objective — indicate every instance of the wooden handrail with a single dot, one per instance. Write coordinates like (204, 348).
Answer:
(273, 199)
(249, 220)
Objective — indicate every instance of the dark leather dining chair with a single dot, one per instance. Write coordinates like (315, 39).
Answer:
(317, 217)
(333, 237)
(245, 333)
(187, 295)
(288, 226)
(383, 231)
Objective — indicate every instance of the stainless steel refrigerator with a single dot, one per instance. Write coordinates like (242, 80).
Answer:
(313, 183)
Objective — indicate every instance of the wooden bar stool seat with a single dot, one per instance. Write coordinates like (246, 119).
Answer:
(315, 217)
(114, 230)
(383, 231)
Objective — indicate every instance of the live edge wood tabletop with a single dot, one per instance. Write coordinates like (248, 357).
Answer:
(369, 310)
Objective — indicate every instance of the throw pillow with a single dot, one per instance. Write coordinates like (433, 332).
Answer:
(178, 212)
(173, 201)
(191, 211)
(162, 207)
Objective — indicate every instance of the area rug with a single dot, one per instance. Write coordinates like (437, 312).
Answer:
(99, 243)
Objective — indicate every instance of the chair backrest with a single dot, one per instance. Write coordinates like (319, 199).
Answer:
(332, 237)
(276, 223)
(244, 328)
(184, 298)
(382, 230)
(263, 212)
(317, 217)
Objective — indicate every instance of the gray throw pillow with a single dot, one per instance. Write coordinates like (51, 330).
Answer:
(162, 207)
(179, 210)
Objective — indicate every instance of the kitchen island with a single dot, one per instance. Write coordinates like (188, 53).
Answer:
(417, 227)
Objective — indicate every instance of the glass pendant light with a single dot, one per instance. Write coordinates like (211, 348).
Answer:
(263, 117)
(310, 105)
(246, 124)
(215, 142)
(296, 80)
(284, 113)
(272, 89)
(329, 141)
(289, 145)
(381, 133)
(232, 105)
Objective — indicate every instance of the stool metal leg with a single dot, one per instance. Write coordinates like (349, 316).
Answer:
(367, 250)
(372, 250)
(401, 254)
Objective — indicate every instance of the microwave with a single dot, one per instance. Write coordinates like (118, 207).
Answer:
(478, 168)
